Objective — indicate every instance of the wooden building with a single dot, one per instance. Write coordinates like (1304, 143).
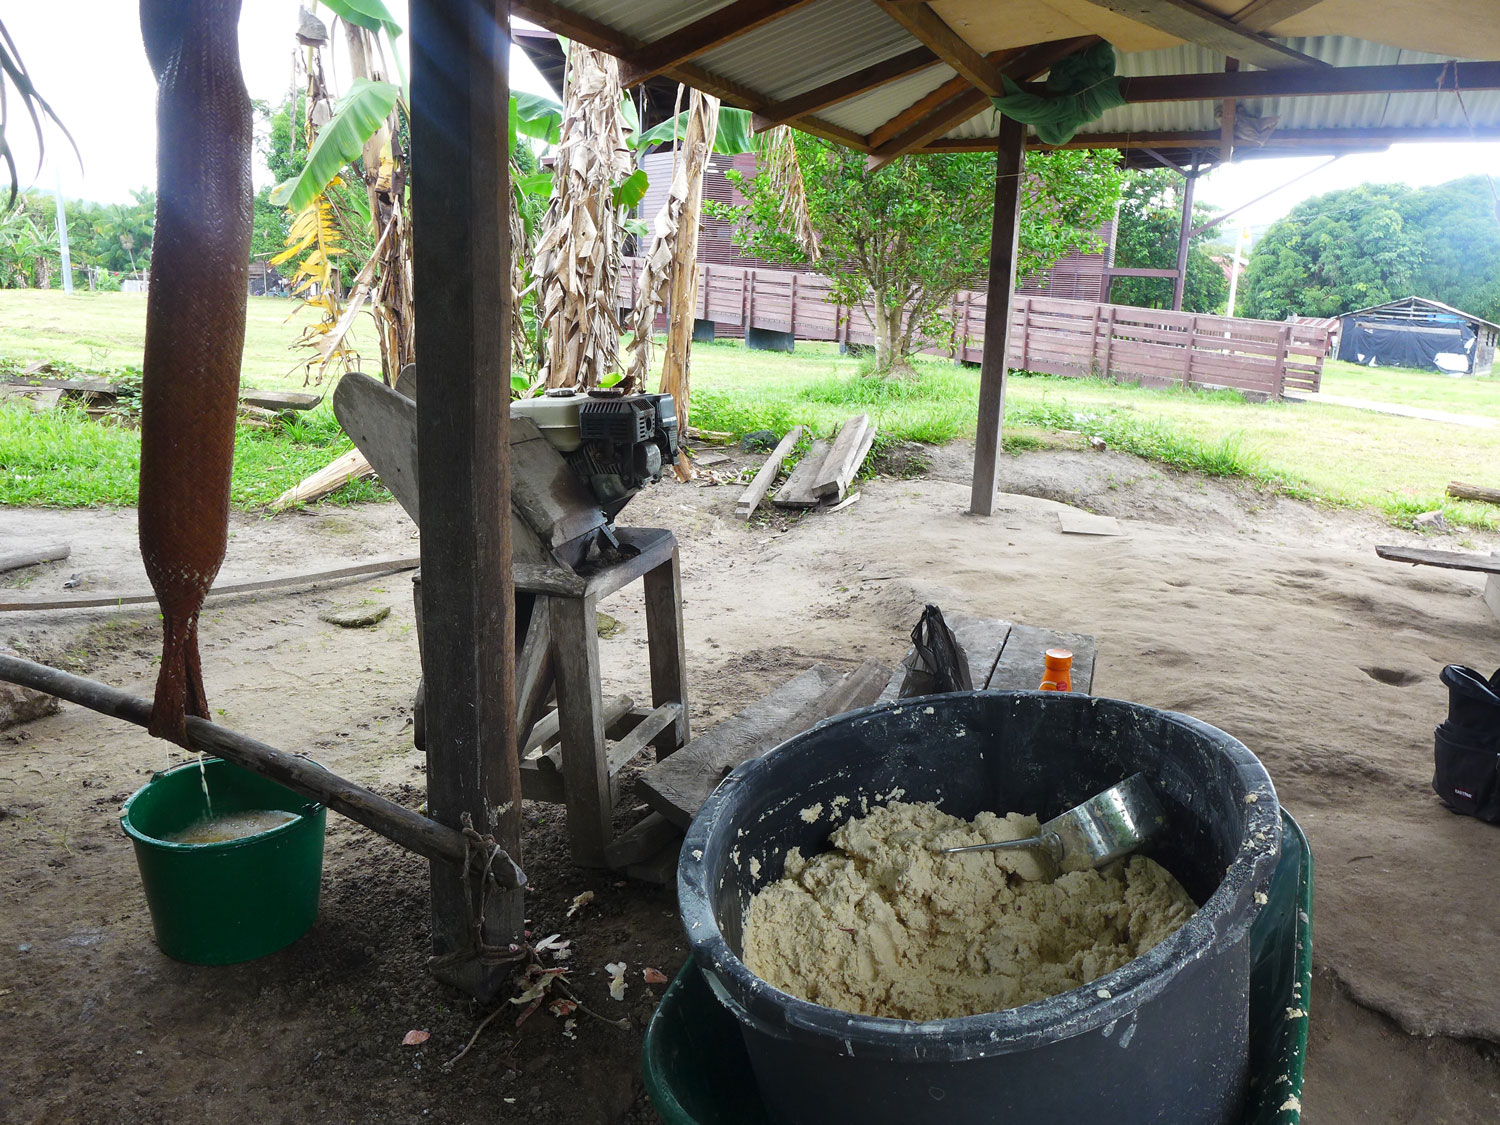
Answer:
(1418, 332)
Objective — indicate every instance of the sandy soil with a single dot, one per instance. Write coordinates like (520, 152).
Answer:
(1265, 617)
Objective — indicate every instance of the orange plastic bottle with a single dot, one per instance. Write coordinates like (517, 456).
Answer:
(1058, 675)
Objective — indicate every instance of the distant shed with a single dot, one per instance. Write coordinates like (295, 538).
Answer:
(1417, 332)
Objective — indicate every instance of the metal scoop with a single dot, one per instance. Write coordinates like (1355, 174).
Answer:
(1102, 829)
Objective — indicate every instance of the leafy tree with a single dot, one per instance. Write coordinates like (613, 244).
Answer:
(1460, 231)
(905, 238)
(1335, 252)
(1146, 238)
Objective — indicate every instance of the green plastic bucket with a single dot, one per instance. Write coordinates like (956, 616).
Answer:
(217, 904)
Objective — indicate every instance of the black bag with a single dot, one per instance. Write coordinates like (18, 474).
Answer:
(937, 664)
(1467, 745)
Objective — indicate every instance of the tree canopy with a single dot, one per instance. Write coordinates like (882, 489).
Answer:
(905, 238)
(1146, 238)
(1374, 243)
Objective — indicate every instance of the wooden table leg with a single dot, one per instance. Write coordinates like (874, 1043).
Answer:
(664, 640)
(580, 711)
(533, 664)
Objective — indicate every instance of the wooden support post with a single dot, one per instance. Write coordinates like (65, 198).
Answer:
(1010, 163)
(1184, 236)
(1109, 341)
(460, 54)
(1094, 343)
(664, 641)
(1283, 342)
(580, 711)
(1187, 363)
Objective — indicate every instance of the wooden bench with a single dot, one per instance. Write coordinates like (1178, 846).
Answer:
(1002, 657)
(1488, 565)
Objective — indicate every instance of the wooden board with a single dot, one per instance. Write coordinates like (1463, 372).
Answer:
(1022, 660)
(838, 467)
(1075, 521)
(281, 400)
(750, 499)
(678, 785)
(1448, 560)
(798, 492)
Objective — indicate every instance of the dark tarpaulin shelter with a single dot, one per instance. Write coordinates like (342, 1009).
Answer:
(1417, 332)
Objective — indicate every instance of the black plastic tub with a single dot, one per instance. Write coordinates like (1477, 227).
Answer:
(1162, 1039)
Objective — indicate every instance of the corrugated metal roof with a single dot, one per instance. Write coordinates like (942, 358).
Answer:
(869, 111)
(645, 21)
(831, 39)
(813, 45)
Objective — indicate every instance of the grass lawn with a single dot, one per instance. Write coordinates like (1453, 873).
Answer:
(1339, 455)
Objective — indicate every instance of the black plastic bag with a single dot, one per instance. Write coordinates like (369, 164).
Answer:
(938, 663)
(1466, 746)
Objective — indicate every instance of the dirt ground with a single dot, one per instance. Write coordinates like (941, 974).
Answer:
(1266, 617)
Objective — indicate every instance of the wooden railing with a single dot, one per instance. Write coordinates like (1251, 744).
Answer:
(1047, 334)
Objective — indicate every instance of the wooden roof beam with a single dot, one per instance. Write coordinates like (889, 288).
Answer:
(1226, 120)
(930, 29)
(841, 89)
(713, 30)
(1208, 140)
(1261, 15)
(1018, 64)
(1192, 24)
(1334, 81)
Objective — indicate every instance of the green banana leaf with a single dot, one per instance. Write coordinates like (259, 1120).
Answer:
(361, 112)
(735, 134)
(371, 15)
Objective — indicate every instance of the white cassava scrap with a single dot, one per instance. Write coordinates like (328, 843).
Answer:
(580, 900)
(577, 263)
(616, 971)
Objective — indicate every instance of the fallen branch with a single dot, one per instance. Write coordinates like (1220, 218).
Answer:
(14, 560)
(384, 566)
(1461, 491)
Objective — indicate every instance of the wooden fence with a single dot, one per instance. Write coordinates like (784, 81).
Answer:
(1047, 334)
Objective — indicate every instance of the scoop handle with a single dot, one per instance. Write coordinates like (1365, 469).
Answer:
(1047, 840)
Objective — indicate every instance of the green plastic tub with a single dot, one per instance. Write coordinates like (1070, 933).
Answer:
(217, 904)
(697, 1071)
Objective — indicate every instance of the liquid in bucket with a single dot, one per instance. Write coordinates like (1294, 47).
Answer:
(231, 826)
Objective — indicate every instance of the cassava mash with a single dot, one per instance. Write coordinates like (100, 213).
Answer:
(882, 925)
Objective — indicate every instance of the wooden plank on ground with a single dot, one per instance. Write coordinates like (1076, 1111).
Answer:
(859, 688)
(982, 639)
(797, 492)
(640, 842)
(280, 400)
(750, 499)
(1075, 521)
(678, 785)
(1448, 560)
(838, 467)
(1023, 659)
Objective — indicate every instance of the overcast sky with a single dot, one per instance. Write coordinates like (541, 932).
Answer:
(86, 58)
